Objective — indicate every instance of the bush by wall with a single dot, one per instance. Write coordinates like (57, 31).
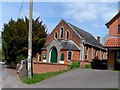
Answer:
(74, 64)
(88, 66)
(99, 64)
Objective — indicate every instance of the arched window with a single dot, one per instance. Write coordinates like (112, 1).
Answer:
(44, 55)
(62, 57)
(56, 35)
(69, 55)
(61, 32)
(67, 34)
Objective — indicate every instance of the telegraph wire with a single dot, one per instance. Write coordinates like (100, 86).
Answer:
(20, 9)
(55, 10)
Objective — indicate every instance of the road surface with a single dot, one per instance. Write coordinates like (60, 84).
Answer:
(80, 78)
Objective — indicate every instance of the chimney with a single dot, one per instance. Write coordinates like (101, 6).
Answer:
(98, 39)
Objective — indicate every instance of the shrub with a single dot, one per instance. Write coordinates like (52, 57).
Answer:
(99, 64)
(19, 58)
(88, 66)
(75, 64)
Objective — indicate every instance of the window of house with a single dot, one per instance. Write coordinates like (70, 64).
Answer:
(67, 34)
(61, 32)
(56, 35)
(118, 28)
(44, 55)
(69, 55)
(102, 55)
(62, 57)
(86, 53)
(95, 53)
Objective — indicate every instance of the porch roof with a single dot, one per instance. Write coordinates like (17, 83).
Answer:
(112, 42)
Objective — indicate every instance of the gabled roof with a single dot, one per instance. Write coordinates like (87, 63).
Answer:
(113, 42)
(113, 19)
(68, 45)
(89, 39)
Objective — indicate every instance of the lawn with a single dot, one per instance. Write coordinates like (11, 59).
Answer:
(39, 77)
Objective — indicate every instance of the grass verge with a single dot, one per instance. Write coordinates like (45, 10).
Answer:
(39, 77)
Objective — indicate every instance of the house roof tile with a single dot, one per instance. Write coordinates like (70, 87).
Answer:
(112, 42)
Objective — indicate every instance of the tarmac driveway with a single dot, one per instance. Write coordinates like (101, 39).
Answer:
(82, 78)
(79, 78)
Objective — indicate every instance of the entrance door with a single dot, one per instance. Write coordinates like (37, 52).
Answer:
(53, 55)
(117, 60)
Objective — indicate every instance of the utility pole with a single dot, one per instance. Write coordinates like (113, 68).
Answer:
(30, 71)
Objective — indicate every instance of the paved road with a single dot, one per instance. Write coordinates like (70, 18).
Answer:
(10, 79)
(80, 78)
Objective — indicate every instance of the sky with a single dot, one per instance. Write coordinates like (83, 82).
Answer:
(89, 16)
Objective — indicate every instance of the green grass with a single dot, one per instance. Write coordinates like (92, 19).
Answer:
(39, 77)
(116, 70)
(88, 66)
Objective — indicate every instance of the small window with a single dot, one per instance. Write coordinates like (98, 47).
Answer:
(102, 55)
(56, 35)
(44, 56)
(95, 53)
(86, 53)
(69, 55)
(118, 28)
(61, 32)
(62, 57)
(67, 34)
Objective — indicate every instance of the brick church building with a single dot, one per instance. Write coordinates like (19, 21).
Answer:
(67, 43)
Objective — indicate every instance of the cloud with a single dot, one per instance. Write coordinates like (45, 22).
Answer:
(85, 11)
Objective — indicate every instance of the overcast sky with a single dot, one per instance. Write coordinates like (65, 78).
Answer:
(89, 16)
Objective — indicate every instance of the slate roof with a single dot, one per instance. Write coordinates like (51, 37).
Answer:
(68, 45)
(113, 42)
(89, 39)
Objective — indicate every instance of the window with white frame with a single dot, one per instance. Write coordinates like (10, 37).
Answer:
(86, 53)
(61, 32)
(56, 35)
(44, 55)
(67, 34)
(62, 57)
(96, 53)
(69, 55)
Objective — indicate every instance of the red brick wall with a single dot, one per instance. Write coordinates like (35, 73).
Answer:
(111, 57)
(90, 54)
(76, 55)
(83, 63)
(113, 29)
(73, 36)
(46, 67)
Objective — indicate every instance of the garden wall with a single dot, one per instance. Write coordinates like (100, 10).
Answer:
(48, 67)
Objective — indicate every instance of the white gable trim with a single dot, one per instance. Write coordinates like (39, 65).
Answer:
(75, 44)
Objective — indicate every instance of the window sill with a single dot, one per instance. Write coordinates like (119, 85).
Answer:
(86, 60)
